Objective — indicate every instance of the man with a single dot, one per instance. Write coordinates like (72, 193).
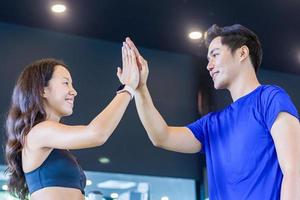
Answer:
(252, 147)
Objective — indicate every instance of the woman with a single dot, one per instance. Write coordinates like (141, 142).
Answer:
(37, 153)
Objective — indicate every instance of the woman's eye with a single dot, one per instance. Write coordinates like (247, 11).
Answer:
(66, 83)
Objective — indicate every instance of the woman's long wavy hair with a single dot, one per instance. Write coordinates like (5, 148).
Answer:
(26, 110)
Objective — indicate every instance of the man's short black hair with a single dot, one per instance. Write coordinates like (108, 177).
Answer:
(236, 36)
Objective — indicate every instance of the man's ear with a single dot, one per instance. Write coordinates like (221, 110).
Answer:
(243, 52)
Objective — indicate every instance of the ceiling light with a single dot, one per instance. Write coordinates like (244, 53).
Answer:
(58, 8)
(114, 195)
(89, 182)
(195, 35)
(104, 160)
(164, 198)
(116, 184)
(4, 187)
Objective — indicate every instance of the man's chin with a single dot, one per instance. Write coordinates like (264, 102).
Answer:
(219, 86)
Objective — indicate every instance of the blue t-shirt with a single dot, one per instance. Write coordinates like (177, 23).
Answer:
(240, 153)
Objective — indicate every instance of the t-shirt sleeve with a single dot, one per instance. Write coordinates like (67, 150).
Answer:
(276, 100)
(198, 128)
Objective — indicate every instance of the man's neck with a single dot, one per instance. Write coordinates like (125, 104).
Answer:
(243, 85)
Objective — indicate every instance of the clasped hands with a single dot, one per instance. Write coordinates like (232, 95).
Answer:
(134, 71)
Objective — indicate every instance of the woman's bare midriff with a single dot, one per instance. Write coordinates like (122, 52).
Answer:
(57, 193)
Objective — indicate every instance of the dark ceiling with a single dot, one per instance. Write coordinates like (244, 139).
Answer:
(165, 24)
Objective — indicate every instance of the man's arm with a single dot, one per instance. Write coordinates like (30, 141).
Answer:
(286, 135)
(179, 139)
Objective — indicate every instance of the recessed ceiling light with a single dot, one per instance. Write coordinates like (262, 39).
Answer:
(58, 8)
(104, 160)
(195, 35)
(116, 184)
(114, 195)
(4, 187)
(164, 198)
(89, 182)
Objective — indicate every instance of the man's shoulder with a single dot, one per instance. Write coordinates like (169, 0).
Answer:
(268, 92)
(271, 88)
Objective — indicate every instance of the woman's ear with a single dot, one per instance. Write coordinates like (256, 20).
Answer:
(45, 92)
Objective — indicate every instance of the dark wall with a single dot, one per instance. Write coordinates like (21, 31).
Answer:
(173, 82)
(289, 82)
